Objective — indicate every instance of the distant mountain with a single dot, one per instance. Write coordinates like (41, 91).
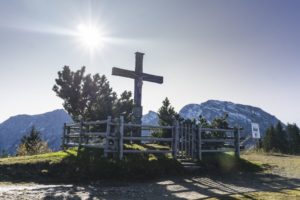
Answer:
(238, 114)
(151, 118)
(50, 125)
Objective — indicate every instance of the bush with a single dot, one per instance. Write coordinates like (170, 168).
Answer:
(32, 144)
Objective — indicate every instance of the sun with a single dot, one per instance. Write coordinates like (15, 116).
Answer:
(90, 36)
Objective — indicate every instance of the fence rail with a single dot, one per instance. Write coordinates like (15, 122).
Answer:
(185, 141)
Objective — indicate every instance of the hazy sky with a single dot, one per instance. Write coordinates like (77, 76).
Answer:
(246, 52)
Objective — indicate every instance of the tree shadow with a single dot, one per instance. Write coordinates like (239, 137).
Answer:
(186, 187)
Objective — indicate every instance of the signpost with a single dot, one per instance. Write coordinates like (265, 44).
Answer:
(256, 133)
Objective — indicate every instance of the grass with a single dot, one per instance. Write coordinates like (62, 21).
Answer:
(54, 157)
(281, 194)
(276, 163)
(89, 164)
(227, 163)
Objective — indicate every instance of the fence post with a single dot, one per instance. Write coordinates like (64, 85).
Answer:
(63, 146)
(237, 142)
(175, 139)
(121, 126)
(185, 140)
(80, 134)
(87, 139)
(67, 135)
(181, 140)
(107, 133)
(193, 141)
(199, 143)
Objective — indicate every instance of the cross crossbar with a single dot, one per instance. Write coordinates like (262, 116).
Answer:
(139, 76)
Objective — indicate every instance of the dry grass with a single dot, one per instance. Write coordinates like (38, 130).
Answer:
(274, 163)
(286, 194)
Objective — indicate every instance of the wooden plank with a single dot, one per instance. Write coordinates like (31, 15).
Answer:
(72, 144)
(185, 139)
(176, 139)
(103, 134)
(148, 151)
(193, 141)
(216, 150)
(148, 139)
(199, 143)
(99, 122)
(107, 133)
(97, 146)
(64, 136)
(181, 140)
(121, 137)
(147, 126)
(80, 134)
(68, 132)
(153, 78)
(123, 72)
(72, 136)
(217, 140)
(217, 129)
(73, 124)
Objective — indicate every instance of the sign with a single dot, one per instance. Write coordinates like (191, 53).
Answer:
(255, 131)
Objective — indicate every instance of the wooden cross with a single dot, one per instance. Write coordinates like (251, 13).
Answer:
(139, 76)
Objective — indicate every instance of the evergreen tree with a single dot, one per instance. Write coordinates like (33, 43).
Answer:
(276, 139)
(32, 144)
(293, 135)
(281, 143)
(269, 139)
(203, 122)
(167, 115)
(89, 97)
(220, 123)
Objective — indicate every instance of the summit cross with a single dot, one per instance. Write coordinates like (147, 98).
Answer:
(139, 76)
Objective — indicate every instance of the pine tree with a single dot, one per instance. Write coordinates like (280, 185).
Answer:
(276, 139)
(203, 122)
(32, 144)
(269, 140)
(167, 115)
(90, 98)
(220, 123)
(281, 143)
(293, 135)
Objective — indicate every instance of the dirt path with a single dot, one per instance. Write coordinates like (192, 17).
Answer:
(177, 188)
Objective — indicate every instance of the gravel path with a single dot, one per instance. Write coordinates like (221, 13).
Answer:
(177, 188)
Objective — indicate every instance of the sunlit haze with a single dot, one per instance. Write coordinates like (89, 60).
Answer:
(245, 52)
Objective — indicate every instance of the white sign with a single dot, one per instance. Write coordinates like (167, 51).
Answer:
(255, 131)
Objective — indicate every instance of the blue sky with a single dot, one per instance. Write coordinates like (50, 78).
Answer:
(246, 52)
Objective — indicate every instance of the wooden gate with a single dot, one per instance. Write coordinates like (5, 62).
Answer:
(187, 142)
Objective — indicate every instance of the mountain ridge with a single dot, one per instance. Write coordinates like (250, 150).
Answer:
(50, 124)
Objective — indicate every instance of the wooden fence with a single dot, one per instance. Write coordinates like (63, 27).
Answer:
(185, 141)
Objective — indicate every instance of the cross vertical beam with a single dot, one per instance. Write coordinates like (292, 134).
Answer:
(139, 76)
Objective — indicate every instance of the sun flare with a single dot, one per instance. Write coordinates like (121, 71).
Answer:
(90, 36)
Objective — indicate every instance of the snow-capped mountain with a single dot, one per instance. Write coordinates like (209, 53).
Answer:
(50, 125)
(151, 118)
(238, 114)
